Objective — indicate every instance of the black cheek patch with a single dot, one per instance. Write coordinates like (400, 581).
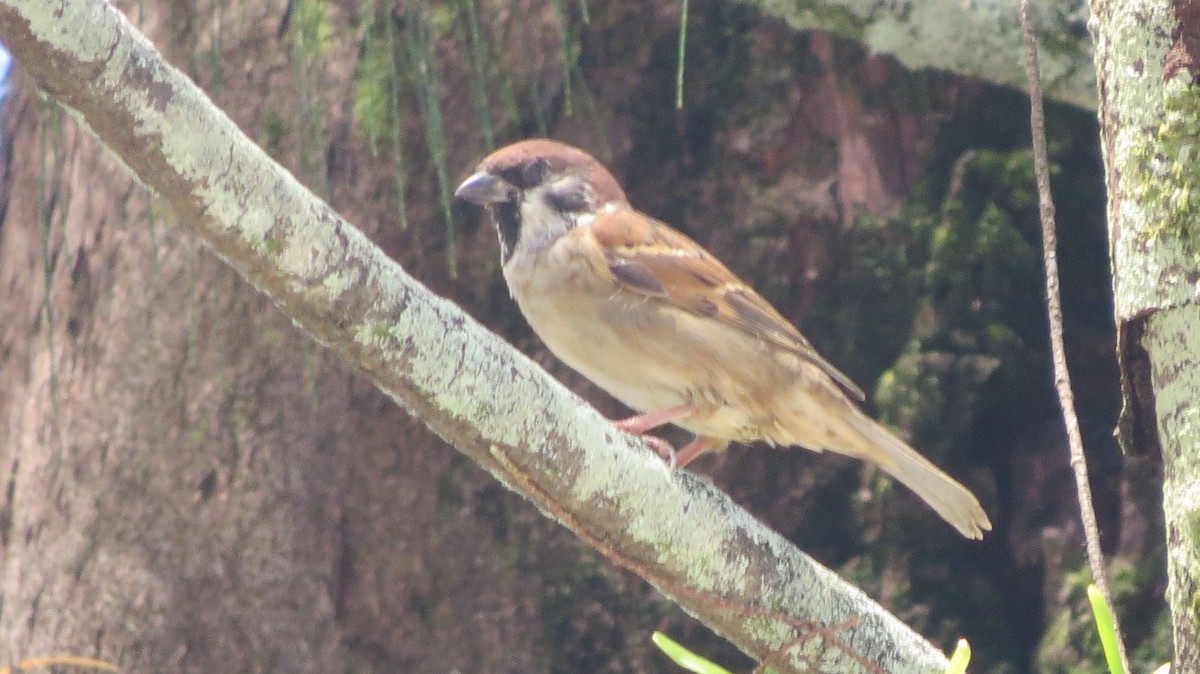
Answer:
(570, 198)
(507, 216)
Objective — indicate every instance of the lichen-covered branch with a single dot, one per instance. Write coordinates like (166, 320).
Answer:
(977, 39)
(474, 390)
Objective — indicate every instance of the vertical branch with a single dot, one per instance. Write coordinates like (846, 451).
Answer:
(683, 19)
(535, 90)
(398, 167)
(422, 49)
(478, 79)
(215, 51)
(1062, 378)
(49, 117)
(591, 112)
(566, 54)
(498, 59)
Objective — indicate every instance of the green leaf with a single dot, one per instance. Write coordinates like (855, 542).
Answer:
(960, 659)
(1104, 625)
(685, 658)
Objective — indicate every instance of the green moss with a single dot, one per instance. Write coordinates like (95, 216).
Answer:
(197, 435)
(371, 105)
(1157, 647)
(311, 28)
(273, 129)
(1071, 645)
(376, 105)
(965, 280)
(806, 14)
(442, 18)
(1194, 525)
(420, 35)
(381, 331)
(1169, 169)
(1194, 607)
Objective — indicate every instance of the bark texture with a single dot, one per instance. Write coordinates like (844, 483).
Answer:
(1146, 58)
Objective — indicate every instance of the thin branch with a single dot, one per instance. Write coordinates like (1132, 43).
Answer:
(683, 21)
(1062, 378)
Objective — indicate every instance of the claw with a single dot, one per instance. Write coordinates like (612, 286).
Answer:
(639, 424)
(663, 449)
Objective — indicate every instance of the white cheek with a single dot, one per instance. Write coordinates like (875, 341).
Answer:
(541, 226)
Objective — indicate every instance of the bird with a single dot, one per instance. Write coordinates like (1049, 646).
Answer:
(658, 322)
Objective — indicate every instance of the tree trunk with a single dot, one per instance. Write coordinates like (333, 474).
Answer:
(1147, 63)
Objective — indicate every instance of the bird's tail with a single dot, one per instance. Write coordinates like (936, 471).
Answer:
(948, 498)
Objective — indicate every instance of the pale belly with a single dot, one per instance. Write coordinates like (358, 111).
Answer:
(649, 355)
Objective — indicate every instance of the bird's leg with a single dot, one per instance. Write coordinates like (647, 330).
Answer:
(695, 448)
(639, 424)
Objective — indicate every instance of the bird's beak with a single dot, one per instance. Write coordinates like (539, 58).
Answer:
(484, 188)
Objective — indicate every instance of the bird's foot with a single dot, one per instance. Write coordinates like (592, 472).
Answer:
(664, 449)
(639, 424)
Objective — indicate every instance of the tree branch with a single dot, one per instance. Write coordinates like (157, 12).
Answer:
(475, 391)
(978, 39)
(1062, 376)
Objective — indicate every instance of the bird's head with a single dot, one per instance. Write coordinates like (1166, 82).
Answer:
(537, 190)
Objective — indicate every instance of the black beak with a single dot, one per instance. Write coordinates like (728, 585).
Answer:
(484, 189)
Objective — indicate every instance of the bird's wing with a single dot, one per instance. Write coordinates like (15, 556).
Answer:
(651, 259)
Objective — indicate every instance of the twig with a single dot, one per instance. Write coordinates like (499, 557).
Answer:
(1062, 379)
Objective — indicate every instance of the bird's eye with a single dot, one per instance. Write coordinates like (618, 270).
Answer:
(569, 196)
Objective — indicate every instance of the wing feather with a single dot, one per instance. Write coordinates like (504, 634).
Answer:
(653, 260)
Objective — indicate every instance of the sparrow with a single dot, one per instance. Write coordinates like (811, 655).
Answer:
(658, 322)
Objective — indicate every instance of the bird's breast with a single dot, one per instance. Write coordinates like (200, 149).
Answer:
(606, 334)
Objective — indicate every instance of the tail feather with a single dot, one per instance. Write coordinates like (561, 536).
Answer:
(954, 502)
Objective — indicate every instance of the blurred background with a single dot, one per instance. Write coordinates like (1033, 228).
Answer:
(196, 486)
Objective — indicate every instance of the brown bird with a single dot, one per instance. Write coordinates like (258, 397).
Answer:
(663, 326)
